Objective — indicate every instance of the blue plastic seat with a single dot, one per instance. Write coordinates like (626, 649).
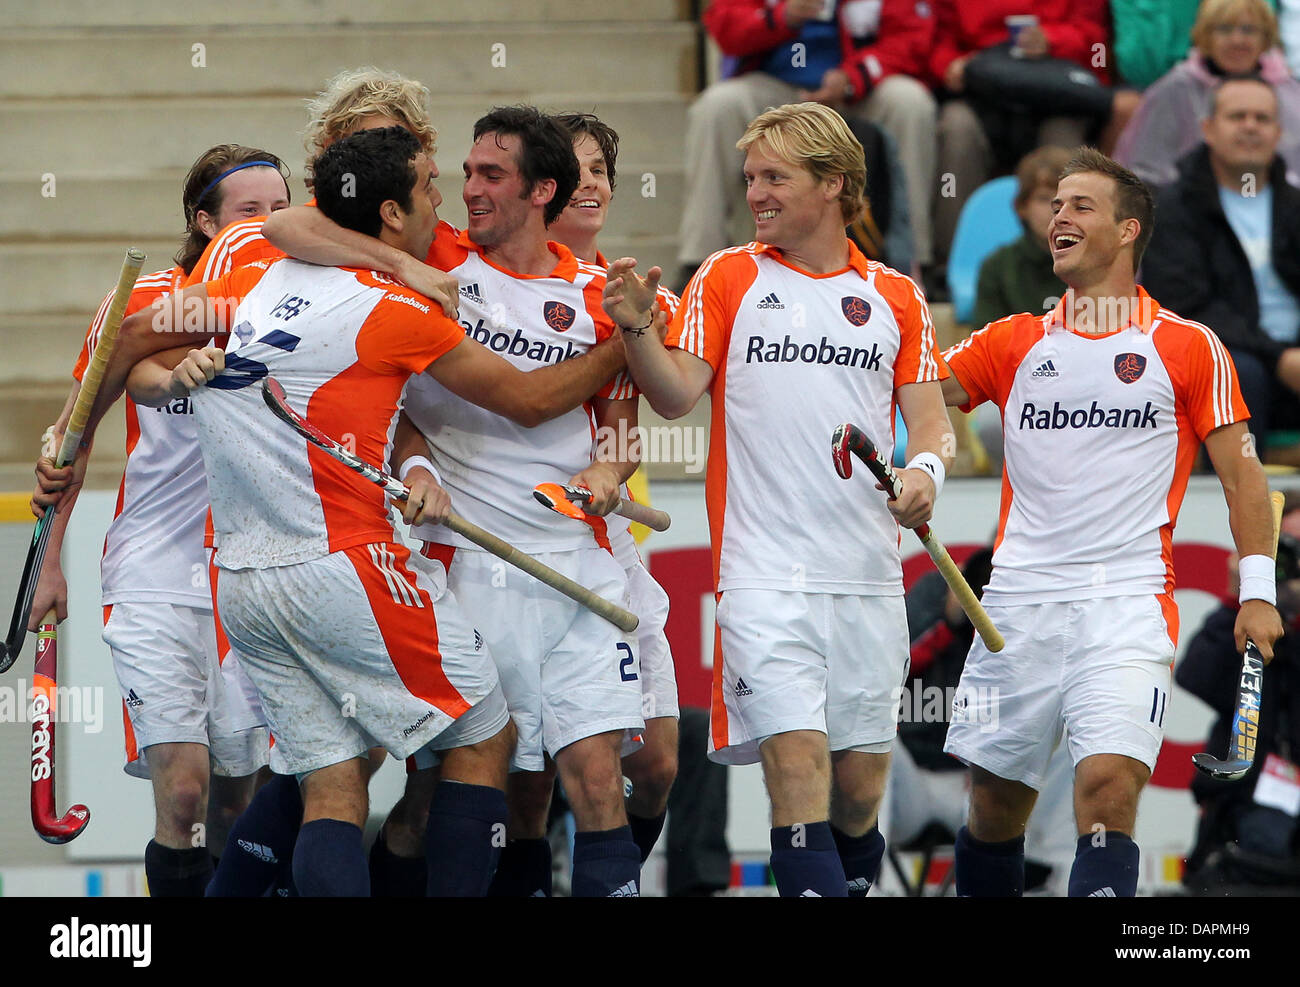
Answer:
(987, 221)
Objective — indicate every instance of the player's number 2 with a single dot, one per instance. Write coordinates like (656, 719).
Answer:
(626, 663)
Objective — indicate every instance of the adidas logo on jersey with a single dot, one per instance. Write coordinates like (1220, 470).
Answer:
(628, 890)
(471, 292)
(133, 700)
(478, 640)
(771, 301)
(1046, 370)
(742, 689)
(1032, 417)
(262, 853)
(788, 351)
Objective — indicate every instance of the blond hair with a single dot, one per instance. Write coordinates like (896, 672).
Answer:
(1215, 12)
(355, 93)
(815, 137)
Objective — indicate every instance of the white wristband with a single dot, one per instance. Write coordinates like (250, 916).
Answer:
(420, 461)
(933, 465)
(1258, 579)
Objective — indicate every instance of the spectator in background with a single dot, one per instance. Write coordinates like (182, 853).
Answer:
(1231, 37)
(1019, 277)
(1151, 37)
(1226, 249)
(1242, 838)
(859, 59)
(1288, 22)
(1007, 98)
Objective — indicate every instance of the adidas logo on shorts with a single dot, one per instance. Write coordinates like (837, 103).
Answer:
(133, 700)
(628, 890)
(771, 301)
(1046, 370)
(262, 853)
(1106, 892)
(742, 689)
(809, 893)
(471, 292)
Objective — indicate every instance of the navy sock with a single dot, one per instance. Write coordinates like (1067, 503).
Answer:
(177, 873)
(523, 870)
(463, 841)
(989, 870)
(606, 864)
(329, 862)
(860, 856)
(645, 832)
(261, 841)
(392, 876)
(805, 862)
(1109, 870)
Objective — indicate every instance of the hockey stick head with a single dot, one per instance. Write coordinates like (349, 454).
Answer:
(49, 826)
(65, 828)
(846, 441)
(1245, 723)
(563, 499)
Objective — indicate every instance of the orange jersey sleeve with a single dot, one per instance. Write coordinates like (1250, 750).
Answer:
(404, 333)
(148, 288)
(1203, 374)
(702, 323)
(229, 289)
(919, 359)
(985, 362)
(238, 244)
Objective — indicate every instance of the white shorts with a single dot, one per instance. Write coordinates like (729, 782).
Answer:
(356, 650)
(176, 691)
(1096, 670)
(567, 674)
(649, 602)
(788, 661)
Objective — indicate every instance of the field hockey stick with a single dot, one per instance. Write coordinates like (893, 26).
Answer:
(276, 400)
(566, 499)
(67, 453)
(847, 439)
(1245, 721)
(49, 826)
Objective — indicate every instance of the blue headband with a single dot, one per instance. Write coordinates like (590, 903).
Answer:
(227, 173)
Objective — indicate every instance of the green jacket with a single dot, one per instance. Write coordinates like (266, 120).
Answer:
(1015, 278)
(1151, 36)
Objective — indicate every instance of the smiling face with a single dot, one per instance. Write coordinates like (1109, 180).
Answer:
(1243, 133)
(1085, 236)
(1236, 44)
(789, 205)
(496, 196)
(247, 193)
(585, 214)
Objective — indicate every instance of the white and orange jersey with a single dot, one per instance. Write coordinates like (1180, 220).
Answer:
(153, 551)
(794, 355)
(342, 342)
(1100, 436)
(488, 463)
(238, 244)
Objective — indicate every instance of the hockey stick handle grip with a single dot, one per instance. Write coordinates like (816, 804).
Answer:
(94, 374)
(1276, 500)
(653, 519)
(622, 619)
(966, 597)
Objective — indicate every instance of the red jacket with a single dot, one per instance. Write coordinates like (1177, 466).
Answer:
(1072, 27)
(899, 40)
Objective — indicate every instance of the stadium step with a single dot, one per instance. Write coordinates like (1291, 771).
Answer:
(478, 60)
(149, 14)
